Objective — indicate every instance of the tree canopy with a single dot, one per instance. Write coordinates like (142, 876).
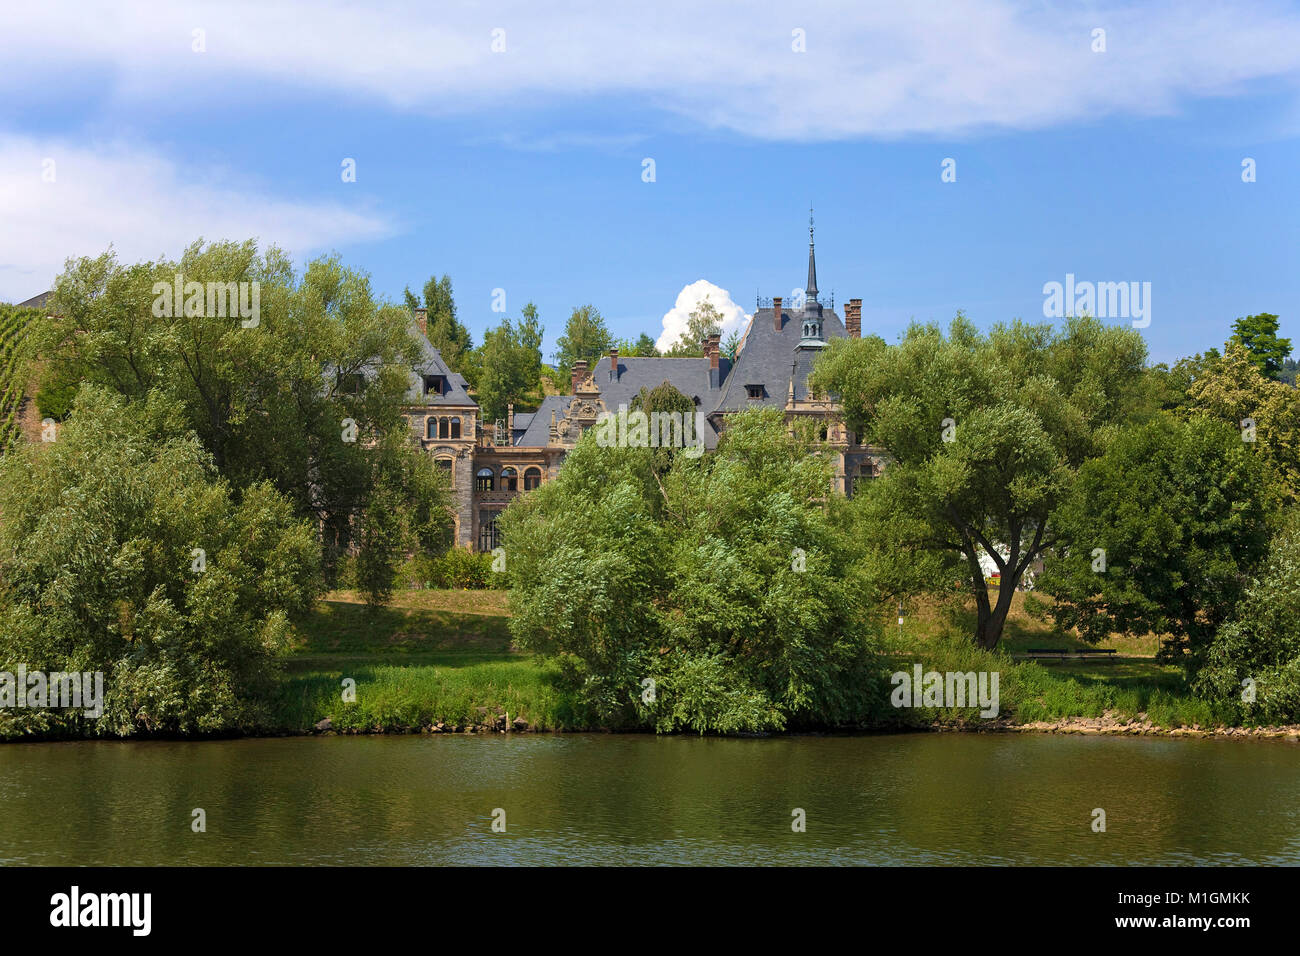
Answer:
(1257, 334)
(1161, 533)
(122, 550)
(510, 360)
(703, 321)
(585, 337)
(307, 396)
(985, 433)
(710, 597)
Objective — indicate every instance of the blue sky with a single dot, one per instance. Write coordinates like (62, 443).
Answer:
(522, 169)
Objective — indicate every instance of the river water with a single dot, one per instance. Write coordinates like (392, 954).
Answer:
(607, 799)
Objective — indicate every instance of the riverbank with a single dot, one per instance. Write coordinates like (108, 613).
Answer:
(443, 662)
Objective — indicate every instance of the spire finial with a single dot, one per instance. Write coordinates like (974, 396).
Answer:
(810, 290)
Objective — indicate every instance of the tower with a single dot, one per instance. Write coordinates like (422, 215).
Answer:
(811, 334)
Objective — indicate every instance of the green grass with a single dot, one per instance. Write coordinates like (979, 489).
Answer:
(415, 696)
(446, 656)
(433, 656)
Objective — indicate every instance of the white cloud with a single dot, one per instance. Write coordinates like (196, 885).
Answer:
(143, 205)
(870, 69)
(676, 318)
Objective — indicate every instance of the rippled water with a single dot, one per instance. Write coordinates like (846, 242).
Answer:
(915, 798)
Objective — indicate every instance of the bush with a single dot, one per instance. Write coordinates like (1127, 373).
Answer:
(121, 551)
(1262, 642)
(458, 569)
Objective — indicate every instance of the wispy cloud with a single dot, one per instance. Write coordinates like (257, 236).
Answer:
(869, 70)
(143, 205)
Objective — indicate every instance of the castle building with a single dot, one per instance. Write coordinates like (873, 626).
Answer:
(489, 465)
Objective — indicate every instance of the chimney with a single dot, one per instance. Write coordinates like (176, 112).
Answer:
(776, 313)
(712, 350)
(613, 364)
(422, 320)
(853, 318)
(510, 421)
(579, 373)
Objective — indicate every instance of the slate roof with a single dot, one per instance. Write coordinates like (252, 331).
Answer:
(36, 301)
(690, 376)
(431, 363)
(537, 431)
(769, 358)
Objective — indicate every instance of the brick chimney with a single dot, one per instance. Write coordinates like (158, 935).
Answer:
(853, 318)
(579, 373)
(712, 348)
(422, 320)
(510, 421)
(776, 313)
(613, 364)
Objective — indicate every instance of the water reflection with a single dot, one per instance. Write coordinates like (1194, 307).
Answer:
(602, 799)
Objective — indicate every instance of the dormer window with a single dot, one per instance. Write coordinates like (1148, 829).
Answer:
(754, 391)
(435, 384)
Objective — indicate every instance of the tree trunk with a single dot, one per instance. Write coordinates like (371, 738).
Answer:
(990, 620)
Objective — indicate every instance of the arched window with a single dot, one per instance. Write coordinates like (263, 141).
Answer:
(532, 478)
(444, 428)
(430, 428)
(455, 427)
(483, 481)
(444, 465)
(509, 479)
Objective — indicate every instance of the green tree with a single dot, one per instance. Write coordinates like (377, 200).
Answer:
(984, 434)
(704, 321)
(585, 337)
(511, 360)
(122, 550)
(1288, 375)
(731, 344)
(445, 332)
(298, 398)
(1231, 389)
(1160, 534)
(711, 597)
(642, 347)
(645, 347)
(1258, 334)
(1253, 661)
(665, 399)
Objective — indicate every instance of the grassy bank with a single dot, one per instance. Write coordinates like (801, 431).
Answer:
(1131, 687)
(432, 657)
(444, 660)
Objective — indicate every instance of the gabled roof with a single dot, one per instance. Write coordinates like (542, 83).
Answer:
(430, 363)
(771, 358)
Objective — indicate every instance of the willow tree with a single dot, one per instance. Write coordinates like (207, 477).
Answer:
(983, 434)
(305, 391)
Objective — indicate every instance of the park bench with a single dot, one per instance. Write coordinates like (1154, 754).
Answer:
(1061, 653)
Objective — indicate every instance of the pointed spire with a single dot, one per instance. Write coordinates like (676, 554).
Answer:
(810, 290)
